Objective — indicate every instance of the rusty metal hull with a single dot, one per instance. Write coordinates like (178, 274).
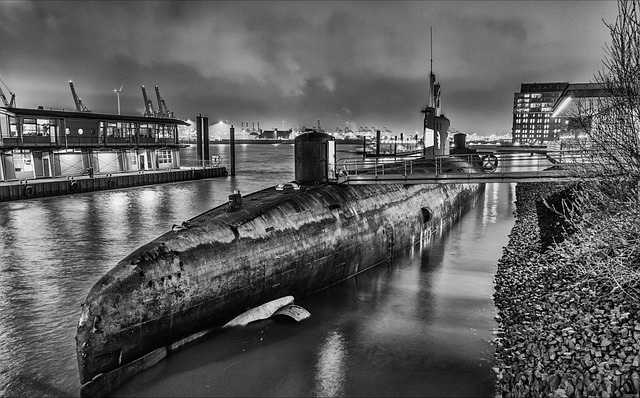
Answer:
(216, 265)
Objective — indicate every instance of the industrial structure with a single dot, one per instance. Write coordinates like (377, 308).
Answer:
(545, 112)
(41, 143)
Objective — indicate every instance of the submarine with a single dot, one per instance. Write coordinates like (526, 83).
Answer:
(257, 253)
(269, 244)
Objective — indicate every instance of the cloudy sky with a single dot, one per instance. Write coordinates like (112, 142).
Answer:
(365, 63)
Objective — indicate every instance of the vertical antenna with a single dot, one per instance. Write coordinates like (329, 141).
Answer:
(431, 79)
(431, 36)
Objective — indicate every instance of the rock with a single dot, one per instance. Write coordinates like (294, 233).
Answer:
(562, 336)
(635, 379)
(560, 393)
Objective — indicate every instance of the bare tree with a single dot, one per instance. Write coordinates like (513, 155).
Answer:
(607, 209)
(611, 122)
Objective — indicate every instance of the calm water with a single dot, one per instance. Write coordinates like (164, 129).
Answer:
(420, 326)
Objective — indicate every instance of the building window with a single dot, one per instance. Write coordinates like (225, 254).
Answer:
(164, 157)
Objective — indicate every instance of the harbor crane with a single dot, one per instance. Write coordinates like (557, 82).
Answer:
(118, 93)
(163, 111)
(7, 103)
(148, 105)
(80, 107)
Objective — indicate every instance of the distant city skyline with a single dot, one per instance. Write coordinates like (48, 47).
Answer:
(291, 63)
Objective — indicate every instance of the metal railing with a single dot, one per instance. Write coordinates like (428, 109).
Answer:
(456, 168)
(195, 163)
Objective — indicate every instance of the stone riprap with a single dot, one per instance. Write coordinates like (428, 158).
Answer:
(561, 335)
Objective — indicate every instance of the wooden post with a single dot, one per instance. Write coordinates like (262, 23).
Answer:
(232, 150)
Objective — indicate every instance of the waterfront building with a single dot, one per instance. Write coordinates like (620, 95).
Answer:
(545, 112)
(41, 143)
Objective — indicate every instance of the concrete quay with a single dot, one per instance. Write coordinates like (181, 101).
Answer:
(562, 335)
(44, 187)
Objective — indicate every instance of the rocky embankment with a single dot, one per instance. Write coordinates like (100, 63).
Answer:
(562, 335)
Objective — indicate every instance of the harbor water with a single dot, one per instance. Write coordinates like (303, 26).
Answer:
(419, 326)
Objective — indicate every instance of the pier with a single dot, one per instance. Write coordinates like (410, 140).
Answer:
(39, 188)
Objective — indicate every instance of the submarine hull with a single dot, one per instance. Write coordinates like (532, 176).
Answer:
(220, 263)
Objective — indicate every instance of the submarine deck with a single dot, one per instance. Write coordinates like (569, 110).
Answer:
(252, 205)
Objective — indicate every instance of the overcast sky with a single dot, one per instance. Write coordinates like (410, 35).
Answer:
(293, 62)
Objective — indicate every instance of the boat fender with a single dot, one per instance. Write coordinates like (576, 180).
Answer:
(73, 186)
(28, 191)
(111, 184)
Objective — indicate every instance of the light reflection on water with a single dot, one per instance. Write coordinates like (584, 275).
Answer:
(391, 331)
(331, 367)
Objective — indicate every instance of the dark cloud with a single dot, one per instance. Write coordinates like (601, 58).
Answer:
(299, 61)
(509, 29)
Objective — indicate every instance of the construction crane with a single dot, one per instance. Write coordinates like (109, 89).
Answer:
(148, 105)
(118, 93)
(7, 104)
(79, 105)
(163, 111)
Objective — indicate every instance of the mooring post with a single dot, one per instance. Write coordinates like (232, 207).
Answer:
(377, 142)
(199, 140)
(206, 155)
(395, 145)
(232, 147)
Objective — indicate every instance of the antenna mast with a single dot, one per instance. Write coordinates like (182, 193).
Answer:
(432, 78)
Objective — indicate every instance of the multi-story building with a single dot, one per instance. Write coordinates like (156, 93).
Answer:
(532, 110)
(541, 111)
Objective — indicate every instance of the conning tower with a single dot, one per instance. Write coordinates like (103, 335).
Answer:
(436, 126)
(315, 158)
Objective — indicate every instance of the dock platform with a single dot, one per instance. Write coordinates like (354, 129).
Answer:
(45, 187)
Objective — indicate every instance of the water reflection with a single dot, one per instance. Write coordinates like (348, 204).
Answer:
(331, 368)
(415, 327)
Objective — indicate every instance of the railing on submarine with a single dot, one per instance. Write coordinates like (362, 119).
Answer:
(464, 167)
